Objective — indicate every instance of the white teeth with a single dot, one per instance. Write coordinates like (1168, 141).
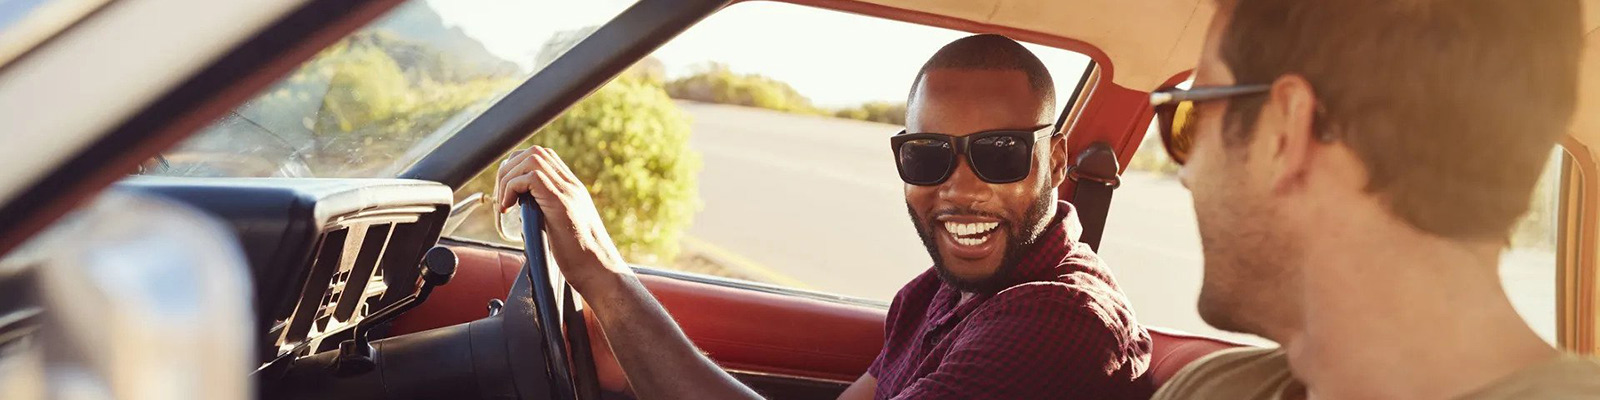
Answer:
(971, 242)
(958, 230)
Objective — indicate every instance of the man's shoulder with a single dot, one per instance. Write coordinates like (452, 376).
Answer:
(1243, 373)
(919, 290)
(1569, 376)
(1072, 292)
(1080, 309)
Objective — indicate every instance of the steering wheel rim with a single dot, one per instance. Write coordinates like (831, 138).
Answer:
(568, 364)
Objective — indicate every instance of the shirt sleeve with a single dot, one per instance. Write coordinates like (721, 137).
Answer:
(1042, 343)
(889, 322)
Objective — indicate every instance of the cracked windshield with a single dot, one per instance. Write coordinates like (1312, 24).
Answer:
(753, 146)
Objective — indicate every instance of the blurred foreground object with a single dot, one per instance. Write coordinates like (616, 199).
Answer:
(133, 297)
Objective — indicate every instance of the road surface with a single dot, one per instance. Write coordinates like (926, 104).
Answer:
(814, 202)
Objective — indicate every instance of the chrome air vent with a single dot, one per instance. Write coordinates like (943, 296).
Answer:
(350, 276)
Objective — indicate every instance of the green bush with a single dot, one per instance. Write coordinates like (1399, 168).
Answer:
(715, 83)
(630, 144)
(1151, 156)
(877, 111)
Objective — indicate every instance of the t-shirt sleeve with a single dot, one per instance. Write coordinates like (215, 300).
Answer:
(1041, 344)
(1239, 373)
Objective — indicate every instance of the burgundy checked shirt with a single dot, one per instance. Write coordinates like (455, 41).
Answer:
(1062, 330)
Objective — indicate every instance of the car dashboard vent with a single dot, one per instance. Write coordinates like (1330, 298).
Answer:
(355, 271)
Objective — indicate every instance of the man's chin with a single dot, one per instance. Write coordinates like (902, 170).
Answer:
(1223, 314)
(966, 276)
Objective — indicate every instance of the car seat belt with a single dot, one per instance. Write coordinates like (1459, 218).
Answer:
(1095, 177)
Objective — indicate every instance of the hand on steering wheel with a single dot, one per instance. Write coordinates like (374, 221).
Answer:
(578, 240)
(553, 199)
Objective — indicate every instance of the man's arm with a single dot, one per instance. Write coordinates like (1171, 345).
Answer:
(658, 359)
(862, 389)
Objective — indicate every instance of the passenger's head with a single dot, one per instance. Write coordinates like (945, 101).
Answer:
(1425, 118)
(979, 84)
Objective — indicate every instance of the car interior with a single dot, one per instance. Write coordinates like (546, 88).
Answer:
(356, 293)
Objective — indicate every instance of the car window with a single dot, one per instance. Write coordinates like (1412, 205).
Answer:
(378, 100)
(1152, 241)
(755, 146)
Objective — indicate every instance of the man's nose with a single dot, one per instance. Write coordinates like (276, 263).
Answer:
(964, 187)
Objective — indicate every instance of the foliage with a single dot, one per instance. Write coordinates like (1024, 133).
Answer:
(715, 83)
(876, 111)
(630, 144)
(1152, 156)
(355, 107)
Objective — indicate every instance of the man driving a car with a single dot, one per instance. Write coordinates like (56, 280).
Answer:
(1357, 168)
(1013, 306)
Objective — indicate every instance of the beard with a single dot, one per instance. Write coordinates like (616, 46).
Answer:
(1028, 230)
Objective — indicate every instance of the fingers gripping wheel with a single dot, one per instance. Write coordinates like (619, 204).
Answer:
(554, 309)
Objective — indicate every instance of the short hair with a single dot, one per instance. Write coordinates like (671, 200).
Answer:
(991, 52)
(1453, 106)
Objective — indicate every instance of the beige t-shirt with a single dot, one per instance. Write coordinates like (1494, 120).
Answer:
(1263, 374)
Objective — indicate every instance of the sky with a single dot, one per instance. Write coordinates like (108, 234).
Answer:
(834, 58)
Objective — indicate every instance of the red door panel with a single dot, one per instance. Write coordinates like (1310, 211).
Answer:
(743, 330)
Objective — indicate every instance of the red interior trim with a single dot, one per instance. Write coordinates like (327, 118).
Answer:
(925, 18)
(741, 329)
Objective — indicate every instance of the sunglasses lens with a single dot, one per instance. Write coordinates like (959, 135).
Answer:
(925, 161)
(1002, 159)
(1177, 130)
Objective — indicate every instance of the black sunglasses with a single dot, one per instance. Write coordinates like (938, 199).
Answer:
(1175, 110)
(998, 156)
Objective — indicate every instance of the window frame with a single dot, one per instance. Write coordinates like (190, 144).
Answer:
(1577, 306)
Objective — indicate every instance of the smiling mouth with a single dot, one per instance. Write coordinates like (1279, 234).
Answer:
(970, 233)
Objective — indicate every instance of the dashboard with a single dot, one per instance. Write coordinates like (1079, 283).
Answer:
(323, 253)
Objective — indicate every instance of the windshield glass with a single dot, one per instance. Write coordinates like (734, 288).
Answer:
(378, 100)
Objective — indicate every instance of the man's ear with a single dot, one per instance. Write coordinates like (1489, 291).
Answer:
(1058, 160)
(1290, 116)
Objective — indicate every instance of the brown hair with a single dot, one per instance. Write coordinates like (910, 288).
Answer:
(1452, 105)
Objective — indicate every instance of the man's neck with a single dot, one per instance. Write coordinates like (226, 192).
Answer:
(1390, 312)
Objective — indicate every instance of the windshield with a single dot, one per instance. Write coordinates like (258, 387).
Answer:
(378, 100)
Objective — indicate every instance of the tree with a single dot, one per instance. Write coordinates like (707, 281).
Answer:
(716, 83)
(629, 144)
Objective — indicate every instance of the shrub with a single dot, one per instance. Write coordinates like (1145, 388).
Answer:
(715, 83)
(630, 144)
(877, 111)
(1152, 156)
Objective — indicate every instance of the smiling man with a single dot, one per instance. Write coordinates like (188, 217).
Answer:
(1013, 306)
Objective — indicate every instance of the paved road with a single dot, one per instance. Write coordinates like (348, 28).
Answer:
(814, 202)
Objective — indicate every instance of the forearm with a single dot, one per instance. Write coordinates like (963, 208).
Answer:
(659, 360)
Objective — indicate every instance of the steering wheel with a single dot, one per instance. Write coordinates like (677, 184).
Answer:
(542, 305)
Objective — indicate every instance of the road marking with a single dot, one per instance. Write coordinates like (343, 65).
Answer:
(734, 260)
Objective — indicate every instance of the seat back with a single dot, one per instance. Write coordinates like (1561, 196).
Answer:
(1172, 350)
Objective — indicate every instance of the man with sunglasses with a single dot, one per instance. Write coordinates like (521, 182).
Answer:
(1013, 306)
(1357, 167)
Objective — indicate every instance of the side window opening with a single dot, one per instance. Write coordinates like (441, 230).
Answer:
(754, 146)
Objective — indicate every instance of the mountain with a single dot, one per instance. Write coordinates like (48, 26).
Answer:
(417, 23)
